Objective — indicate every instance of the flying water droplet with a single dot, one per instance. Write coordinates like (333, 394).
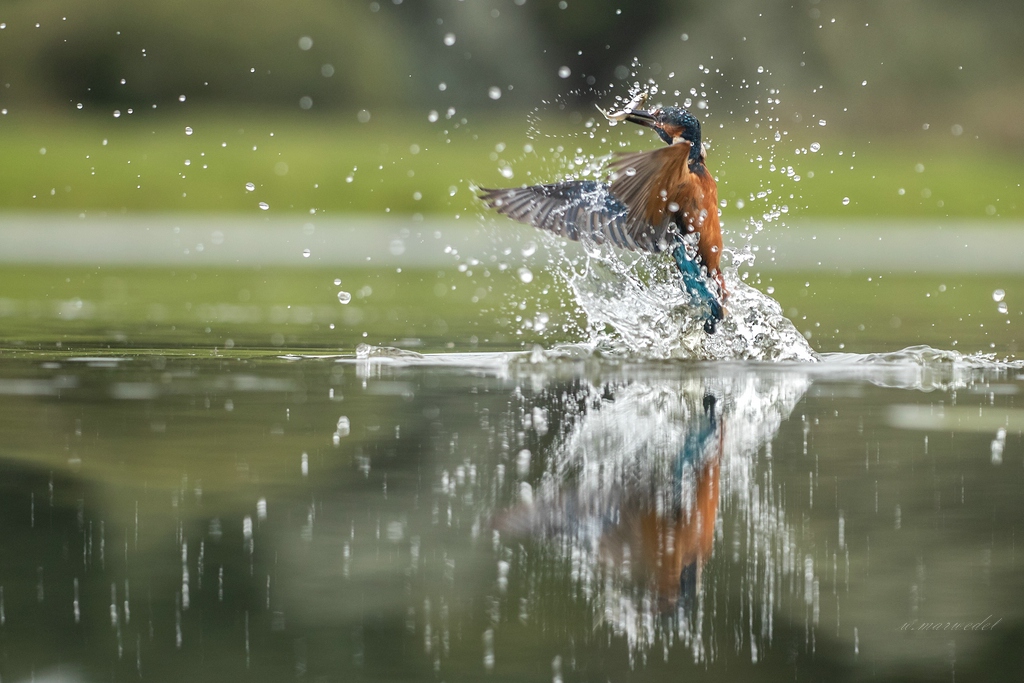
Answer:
(564, 72)
(846, 201)
(449, 39)
(306, 253)
(305, 43)
(337, 281)
(998, 295)
(264, 206)
(344, 297)
(188, 130)
(494, 92)
(815, 146)
(250, 186)
(526, 275)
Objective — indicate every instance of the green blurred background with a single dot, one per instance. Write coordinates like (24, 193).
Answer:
(349, 87)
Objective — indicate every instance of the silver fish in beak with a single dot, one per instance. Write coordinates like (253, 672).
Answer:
(632, 108)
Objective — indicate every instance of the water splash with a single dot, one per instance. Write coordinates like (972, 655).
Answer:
(634, 305)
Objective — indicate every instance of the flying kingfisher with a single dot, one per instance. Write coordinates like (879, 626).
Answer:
(661, 200)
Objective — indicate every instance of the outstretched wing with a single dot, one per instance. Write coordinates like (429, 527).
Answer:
(636, 212)
(658, 187)
(575, 209)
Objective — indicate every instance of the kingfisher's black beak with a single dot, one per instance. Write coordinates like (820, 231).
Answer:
(642, 118)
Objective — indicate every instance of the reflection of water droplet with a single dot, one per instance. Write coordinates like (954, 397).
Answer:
(250, 186)
(344, 297)
(188, 130)
(998, 295)
(526, 275)
(815, 146)
(449, 39)
(564, 72)
(264, 206)
(846, 200)
(494, 93)
(305, 253)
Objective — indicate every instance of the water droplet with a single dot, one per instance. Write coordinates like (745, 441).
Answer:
(846, 201)
(188, 130)
(363, 116)
(449, 39)
(305, 43)
(998, 295)
(306, 102)
(432, 116)
(564, 72)
(337, 281)
(821, 122)
(526, 275)
(327, 70)
(863, 82)
(250, 186)
(181, 98)
(344, 297)
(117, 113)
(815, 146)
(530, 249)
(506, 171)
(305, 253)
(494, 93)
(1002, 307)
(264, 206)
(919, 168)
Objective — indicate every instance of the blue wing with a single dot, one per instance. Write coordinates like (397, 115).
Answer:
(575, 209)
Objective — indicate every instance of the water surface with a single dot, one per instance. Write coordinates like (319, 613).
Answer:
(538, 516)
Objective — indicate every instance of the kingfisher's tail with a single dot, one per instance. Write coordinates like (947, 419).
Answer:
(695, 282)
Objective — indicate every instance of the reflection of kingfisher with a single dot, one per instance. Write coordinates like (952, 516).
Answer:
(660, 522)
(662, 200)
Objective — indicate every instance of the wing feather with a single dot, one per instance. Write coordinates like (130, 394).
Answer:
(575, 209)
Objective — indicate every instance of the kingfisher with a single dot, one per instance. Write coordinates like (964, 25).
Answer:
(655, 201)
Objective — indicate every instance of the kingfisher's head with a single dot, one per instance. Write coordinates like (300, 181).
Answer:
(672, 124)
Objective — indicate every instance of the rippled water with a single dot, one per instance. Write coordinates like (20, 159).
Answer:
(546, 515)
